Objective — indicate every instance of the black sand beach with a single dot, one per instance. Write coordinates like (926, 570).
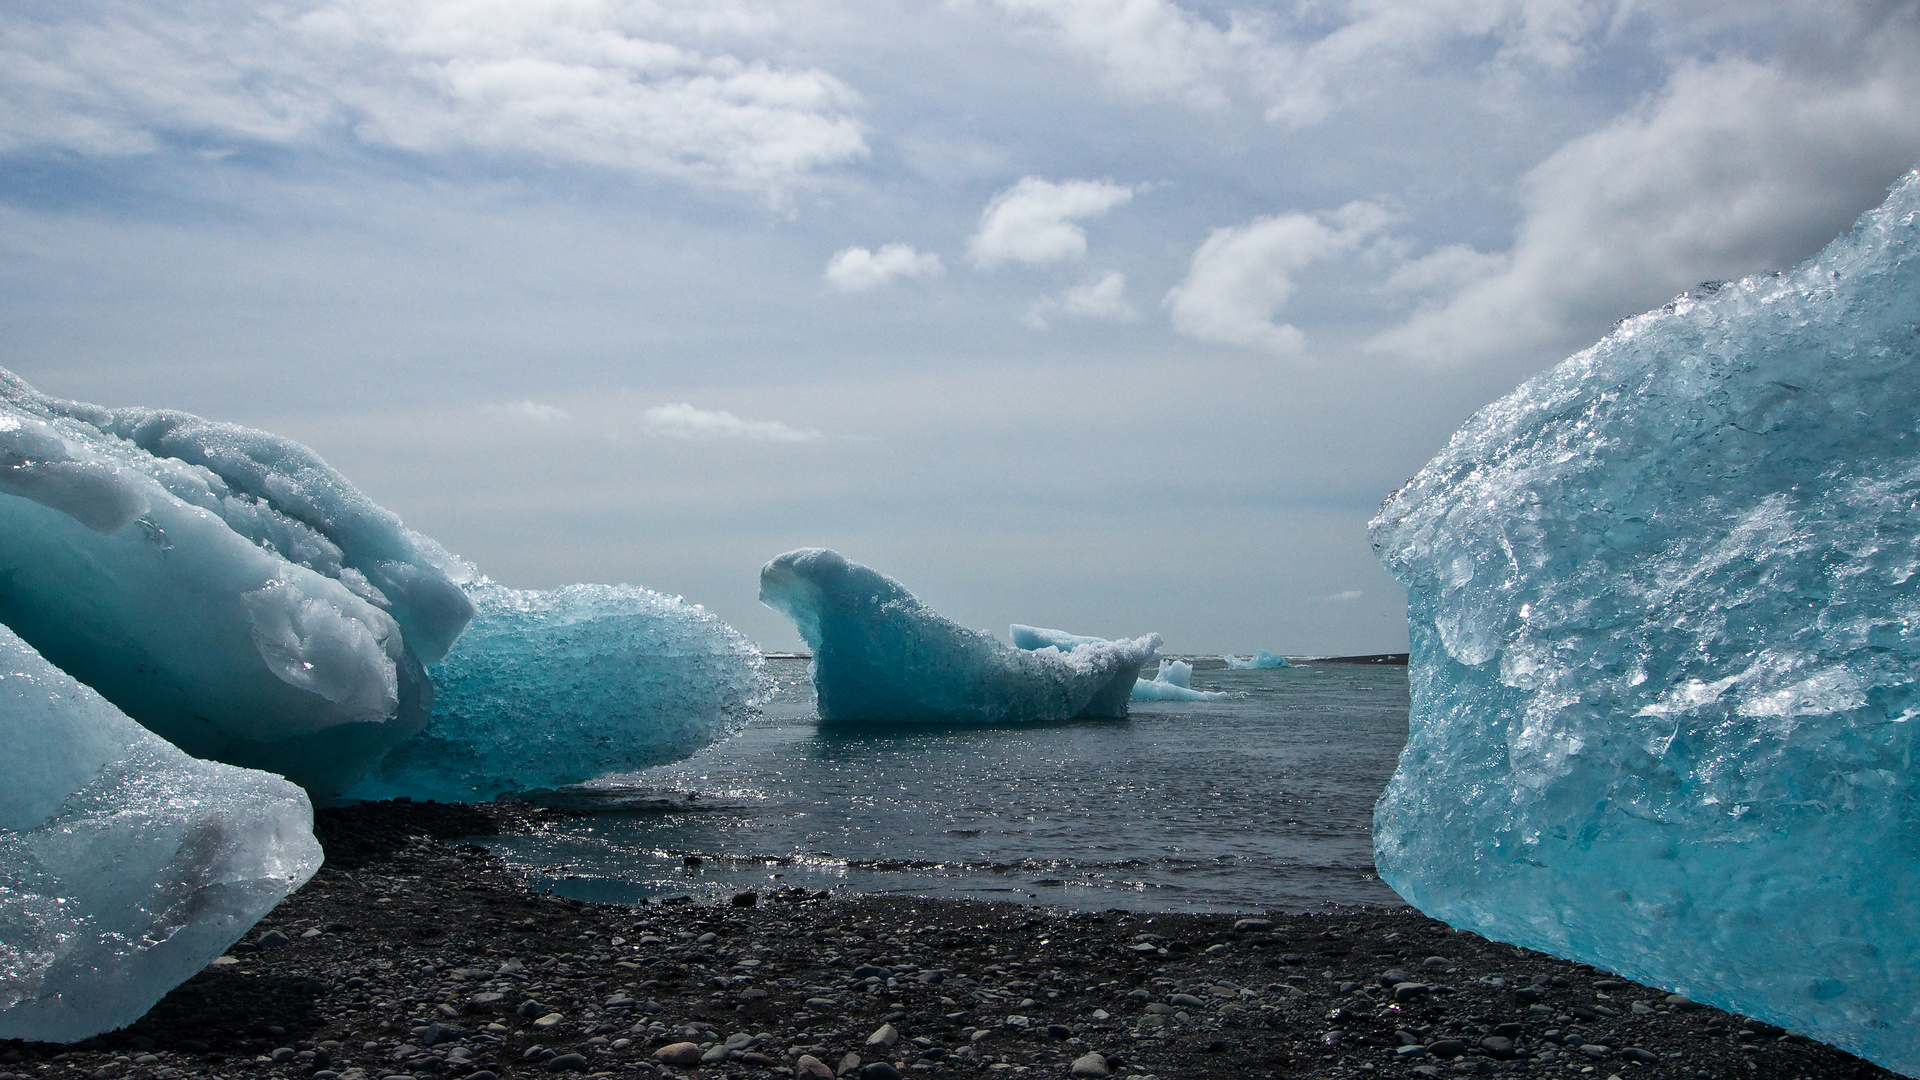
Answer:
(411, 955)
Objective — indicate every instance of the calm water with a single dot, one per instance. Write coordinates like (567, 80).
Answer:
(1259, 803)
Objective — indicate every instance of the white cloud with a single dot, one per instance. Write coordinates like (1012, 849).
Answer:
(1345, 597)
(529, 410)
(1243, 275)
(683, 421)
(1736, 167)
(857, 270)
(1033, 221)
(1104, 298)
(616, 83)
(1298, 70)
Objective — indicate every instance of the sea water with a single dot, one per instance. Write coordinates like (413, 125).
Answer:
(1257, 803)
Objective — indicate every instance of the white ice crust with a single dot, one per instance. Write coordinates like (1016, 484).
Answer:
(1666, 651)
(125, 865)
(882, 656)
(221, 585)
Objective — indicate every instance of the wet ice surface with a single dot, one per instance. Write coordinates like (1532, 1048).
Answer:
(1263, 802)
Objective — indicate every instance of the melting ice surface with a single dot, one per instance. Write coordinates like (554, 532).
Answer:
(1258, 661)
(221, 585)
(880, 655)
(125, 865)
(1666, 651)
(1174, 682)
(547, 689)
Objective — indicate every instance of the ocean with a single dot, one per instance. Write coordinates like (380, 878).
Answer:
(1259, 803)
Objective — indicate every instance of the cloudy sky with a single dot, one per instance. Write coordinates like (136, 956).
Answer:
(1108, 315)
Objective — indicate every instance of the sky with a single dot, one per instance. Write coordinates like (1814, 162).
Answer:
(1112, 316)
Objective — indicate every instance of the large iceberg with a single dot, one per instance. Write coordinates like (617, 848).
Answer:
(880, 655)
(221, 585)
(125, 865)
(1666, 651)
(547, 689)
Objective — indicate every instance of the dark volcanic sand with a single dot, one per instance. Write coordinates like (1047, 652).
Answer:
(410, 956)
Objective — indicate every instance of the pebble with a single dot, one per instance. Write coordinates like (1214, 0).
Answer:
(680, 1053)
(885, 1037)
(1092, 1064)
(272, 939)
(810, 1068)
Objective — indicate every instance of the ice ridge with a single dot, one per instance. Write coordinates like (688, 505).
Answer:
(880, 655)
(549, 689)
(125, 865)
(1666, 651)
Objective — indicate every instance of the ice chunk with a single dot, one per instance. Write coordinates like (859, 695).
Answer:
(1174, 682)
(879, 654)
(222, 586)
(547, 689)
(125, 865)
(1261, 660)
(1666, 651)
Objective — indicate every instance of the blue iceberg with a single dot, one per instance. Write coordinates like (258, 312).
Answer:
(880, 655)
(548, 689)
(1035, 638)
(1666, 651)
(220, 585)
(1174, 682)
(1259, 661)
(125, 865)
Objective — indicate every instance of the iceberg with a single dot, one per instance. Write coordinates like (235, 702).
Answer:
(1666, 651)
(549, 689)
(1174, 682)
(1261, 661)
(880, 655)
(125, 865)
(1035, 638)
(222, 586)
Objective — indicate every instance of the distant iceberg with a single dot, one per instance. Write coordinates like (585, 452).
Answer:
(125, 865)
(220, 585)
(1174, 682)
(880, 655)
(1258, 661)
(1666, 651)
(549, 689)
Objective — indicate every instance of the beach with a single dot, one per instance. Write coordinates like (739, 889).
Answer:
(412, 954)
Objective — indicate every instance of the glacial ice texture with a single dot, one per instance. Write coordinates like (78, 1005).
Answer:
(549, 689)
(1259, 661)
(125, 865)
(882, 656)
(1666, 651)
(1174, 682)
(220, 585)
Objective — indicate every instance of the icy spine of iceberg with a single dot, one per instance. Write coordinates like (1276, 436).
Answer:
(882, 656)
(547, 689)
(125, 865)
(1666, 652)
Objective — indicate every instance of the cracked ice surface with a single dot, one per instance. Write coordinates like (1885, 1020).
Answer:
(221, 585)
(125, 865)
(548, 689)
(1666, 640)
(880, 655)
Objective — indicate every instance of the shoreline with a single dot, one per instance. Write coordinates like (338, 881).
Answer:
(412, 955)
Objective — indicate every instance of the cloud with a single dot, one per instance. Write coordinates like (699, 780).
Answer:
(1735, 167)
(858, 270)
(1300, 70)
(1348, 596)
(610, 83)
(1105, 298)
(529, 410)
(1033, 221)
(683, 421)
(1242, 275)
